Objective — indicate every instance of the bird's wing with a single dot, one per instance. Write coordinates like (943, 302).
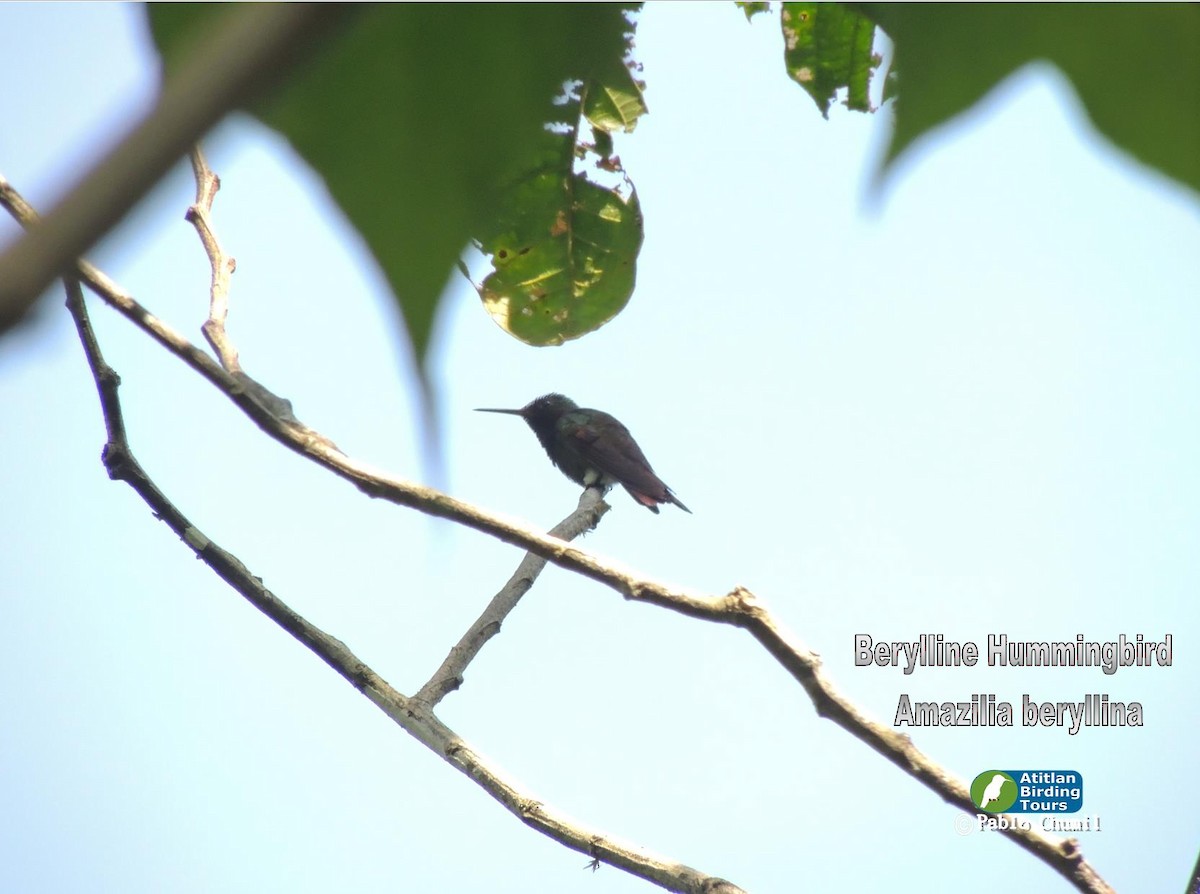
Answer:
(616, 455)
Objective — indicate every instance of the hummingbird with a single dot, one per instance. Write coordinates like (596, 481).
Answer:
(593, 449)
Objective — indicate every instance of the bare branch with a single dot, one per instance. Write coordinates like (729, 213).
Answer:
(415, 718)
(253, 46)
(199, 214)
(449, 676)
(739, 608)
(273, 415)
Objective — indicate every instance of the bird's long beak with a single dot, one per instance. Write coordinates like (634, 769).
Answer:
(489, 410)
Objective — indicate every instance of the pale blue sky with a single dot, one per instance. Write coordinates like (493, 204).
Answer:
(966, 405)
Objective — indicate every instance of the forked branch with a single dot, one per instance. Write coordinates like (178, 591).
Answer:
(415, 717)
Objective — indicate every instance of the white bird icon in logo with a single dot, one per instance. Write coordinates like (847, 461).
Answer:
(992, 792)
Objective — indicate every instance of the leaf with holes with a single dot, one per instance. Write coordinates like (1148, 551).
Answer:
(828, 48)
(565, 259)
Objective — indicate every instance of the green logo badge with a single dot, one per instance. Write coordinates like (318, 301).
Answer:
(994, 791)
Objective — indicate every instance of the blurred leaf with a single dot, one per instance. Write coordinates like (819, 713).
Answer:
(751, 9)
(828, 48)
(413, 114)
(603, 143)
(1136, 68)
(614, 99)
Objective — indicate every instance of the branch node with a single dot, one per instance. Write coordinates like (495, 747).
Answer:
(117, 460)
(531, 809)
(223, 266)
(108, 377)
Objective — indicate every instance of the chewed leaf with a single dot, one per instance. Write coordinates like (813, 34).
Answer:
(569, 265)
(564, 252)
(827, 49)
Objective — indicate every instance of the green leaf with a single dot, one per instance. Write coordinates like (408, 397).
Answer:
(828, 48)
(1136, 68)
(751, 8)
(603, 143)
(414, 113)
(614, 99)
(564, 252)
(565, 255)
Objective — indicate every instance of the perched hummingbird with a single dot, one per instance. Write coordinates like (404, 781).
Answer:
(593, 449)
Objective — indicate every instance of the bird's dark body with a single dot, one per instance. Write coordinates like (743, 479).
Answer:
(592, 448)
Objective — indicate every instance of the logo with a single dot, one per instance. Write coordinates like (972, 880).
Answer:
(1028, 791)
(994, 791)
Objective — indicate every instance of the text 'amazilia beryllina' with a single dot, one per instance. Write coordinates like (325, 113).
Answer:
(593, 449)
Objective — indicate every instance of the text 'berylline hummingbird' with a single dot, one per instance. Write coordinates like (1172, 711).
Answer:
(593, 449)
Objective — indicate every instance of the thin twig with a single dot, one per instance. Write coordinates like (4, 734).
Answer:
(739, 608)
(415, 718)
(199, 215)
(449, 676)
(249, 50)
